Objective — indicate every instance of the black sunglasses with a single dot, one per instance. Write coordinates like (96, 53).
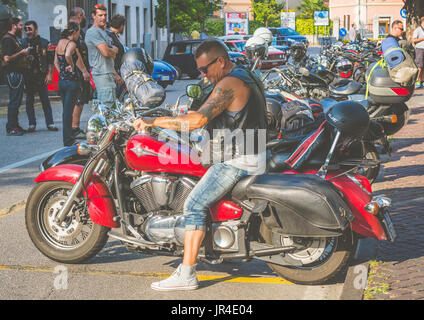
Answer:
(28, 29)
(204, 69)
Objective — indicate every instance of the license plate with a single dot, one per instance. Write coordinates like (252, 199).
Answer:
(390, 229)
(165, 78)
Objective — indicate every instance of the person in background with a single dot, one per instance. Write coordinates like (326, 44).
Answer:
(204, 34)
(38, 75)
(14, 59)
(418, 40)
(67, 59)
(101, 54)
(77, 15)
(353, 33)
(116, 28)
(396, 31)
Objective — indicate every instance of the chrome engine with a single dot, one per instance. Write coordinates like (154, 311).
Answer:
(163, 199)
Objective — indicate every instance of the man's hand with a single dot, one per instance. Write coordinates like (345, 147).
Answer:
(48, 79)
(118, 79)
(141, 124)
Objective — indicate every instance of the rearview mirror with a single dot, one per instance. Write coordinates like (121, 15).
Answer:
(194, 91)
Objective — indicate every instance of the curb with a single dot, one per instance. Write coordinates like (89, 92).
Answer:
(357, 274)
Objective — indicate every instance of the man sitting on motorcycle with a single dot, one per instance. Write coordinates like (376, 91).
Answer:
(237, 102)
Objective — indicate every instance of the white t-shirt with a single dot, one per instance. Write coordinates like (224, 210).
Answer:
(419, 33)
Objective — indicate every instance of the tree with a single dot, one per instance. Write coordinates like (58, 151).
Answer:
(414, 11)
(184, 13)
(266, 11)
(10, 3)
(307, 8)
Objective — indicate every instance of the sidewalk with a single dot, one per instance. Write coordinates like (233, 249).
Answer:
(398, 270)
(4, 100)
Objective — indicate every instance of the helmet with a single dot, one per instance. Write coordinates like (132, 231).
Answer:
(141, 55)
(256, 47)
(349, 117)
(264, 33)
(344, 65)
(273, 117)
(297, 51)
(296, 118)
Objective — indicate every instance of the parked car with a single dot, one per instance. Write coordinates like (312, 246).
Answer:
(180, 54)
(275, 57)
(163, 73)
(287, 36)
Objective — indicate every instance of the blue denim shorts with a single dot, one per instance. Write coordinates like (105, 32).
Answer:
(216, 183)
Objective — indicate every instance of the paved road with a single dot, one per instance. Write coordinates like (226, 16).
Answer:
(114, 273)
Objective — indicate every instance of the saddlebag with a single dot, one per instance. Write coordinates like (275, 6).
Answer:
(301, 205)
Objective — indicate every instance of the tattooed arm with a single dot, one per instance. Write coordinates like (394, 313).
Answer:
(229, 93)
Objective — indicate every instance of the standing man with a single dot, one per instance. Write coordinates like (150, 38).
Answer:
(116, 28)
(352, 33)
(237, 103)
(204, 34)
(101, 54)
(77, 15)
(14, 58)
(38, 75)
(418, 39)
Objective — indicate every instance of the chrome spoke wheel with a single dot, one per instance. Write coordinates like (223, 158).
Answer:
(73, 231)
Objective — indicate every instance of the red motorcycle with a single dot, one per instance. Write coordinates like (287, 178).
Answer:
(304, 223)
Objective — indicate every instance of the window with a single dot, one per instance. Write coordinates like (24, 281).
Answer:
(384, 26)
(180, 48)
(128, 26)
(137, 17)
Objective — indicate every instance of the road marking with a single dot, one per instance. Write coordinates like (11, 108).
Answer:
(12, 209)
(201, 277)
(29, 160)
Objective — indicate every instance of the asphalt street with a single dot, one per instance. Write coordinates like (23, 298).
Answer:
(114, 273)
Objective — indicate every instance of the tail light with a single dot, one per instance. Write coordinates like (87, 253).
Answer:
(401, 91)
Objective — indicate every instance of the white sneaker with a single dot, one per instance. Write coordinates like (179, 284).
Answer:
(183, 278)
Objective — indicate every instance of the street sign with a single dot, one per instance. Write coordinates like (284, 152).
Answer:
(236, 23)
(321, 18)
(403, 13)
(288, 20)
(342, 32)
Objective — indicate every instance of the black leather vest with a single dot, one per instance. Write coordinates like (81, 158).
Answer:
(252, 116)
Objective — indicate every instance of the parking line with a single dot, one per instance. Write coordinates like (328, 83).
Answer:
(29, 160)
(262, 280)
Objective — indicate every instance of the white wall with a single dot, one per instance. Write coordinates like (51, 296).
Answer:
(42, 12)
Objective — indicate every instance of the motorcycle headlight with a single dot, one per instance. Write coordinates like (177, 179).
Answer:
(95, 128)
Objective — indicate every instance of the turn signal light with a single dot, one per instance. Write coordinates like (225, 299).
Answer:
(394, 119)
(372, 208)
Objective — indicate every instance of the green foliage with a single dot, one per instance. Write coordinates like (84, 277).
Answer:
(306, 26)
(267, 11)
(10, 3)
(184, 13)
(307, 8)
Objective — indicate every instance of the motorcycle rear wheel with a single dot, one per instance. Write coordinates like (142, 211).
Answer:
(76, 240)
(324, 268)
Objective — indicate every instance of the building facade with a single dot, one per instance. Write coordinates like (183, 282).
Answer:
(372, 17)
(141, 29)
(246, 6)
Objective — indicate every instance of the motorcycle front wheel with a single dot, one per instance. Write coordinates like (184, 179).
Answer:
(317, 261)
(75, 240)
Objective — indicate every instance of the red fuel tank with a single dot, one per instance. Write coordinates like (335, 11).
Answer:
(146, 153)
